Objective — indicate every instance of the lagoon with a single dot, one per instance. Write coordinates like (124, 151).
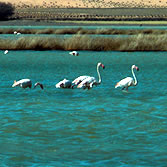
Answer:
(73, 127)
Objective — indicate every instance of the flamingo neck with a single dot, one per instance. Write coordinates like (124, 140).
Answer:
(98, 75)
(134, 76)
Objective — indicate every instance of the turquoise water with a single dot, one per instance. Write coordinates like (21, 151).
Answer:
(13, 36)
(73, 127)
(116, 26)
(99, 127)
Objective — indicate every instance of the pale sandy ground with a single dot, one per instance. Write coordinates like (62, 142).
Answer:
(88, 3)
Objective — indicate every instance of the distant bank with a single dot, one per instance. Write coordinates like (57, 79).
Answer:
(91, 14)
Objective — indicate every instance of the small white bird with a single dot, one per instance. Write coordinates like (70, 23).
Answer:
(17, 33)
(64, 84)
(74, 53)
(128, 81)
(6, 52)
(26, 83)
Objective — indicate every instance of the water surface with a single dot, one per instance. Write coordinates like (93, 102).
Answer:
(99, 127)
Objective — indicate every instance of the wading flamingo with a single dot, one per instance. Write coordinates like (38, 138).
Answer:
(64, 84)
(74, 53)
(89, 82)
(26, 83)
(128, 81)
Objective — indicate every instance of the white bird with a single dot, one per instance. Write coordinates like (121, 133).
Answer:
(74, 53)
(89, 82)
(128, 81)
(64, 84)
(17, 33)
(6, 52)
(26, 83)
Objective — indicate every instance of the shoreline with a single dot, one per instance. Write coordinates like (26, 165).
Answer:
(80, 23)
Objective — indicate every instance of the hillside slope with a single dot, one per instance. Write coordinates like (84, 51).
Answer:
(88, 3)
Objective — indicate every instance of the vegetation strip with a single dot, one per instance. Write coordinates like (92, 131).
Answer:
(139, 42)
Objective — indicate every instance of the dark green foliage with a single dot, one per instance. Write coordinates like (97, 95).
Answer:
(6, 10)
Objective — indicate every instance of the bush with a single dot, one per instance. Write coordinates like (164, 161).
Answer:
(6, 10)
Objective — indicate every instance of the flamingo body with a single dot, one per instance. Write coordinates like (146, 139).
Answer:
(23, 83)
(64, 84)
(79, 79)
(26, 83)
(124, 83)
(87, 83)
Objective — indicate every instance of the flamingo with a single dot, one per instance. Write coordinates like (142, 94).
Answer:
(128, 81)
(64, 84)
(26, 83)
(89, 82)
(74, 53)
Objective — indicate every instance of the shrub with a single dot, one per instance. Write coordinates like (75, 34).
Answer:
(6, 10)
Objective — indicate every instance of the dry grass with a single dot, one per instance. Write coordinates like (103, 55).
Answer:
(138, 42)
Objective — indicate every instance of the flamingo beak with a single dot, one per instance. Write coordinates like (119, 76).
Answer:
(41, 86)
(102, 66)
(137, 68)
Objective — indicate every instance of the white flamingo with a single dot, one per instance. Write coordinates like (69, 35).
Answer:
(89, 82)
(74, 53)
(26, 83)
(64, 84)
(128, 81)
